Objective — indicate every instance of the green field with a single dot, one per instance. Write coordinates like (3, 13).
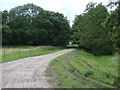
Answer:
(81, 69)
(16, 52)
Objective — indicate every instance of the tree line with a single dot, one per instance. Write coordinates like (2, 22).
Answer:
(31, 25)
(98, 30)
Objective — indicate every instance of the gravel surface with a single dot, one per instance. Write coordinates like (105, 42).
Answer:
(28, 72)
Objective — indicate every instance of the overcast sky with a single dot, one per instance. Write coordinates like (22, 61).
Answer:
(69, 8)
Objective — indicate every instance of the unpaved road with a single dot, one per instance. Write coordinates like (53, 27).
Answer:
(28, 72)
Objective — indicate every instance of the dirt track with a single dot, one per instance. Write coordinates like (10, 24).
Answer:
(28, 72)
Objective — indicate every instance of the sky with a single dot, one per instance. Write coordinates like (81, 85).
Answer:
(69, 8)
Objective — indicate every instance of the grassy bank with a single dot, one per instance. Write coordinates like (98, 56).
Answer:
(10, 53)
(82, 69)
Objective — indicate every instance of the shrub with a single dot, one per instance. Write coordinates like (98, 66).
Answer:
(89, 73)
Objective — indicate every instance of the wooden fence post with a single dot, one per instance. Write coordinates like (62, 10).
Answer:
(19, 52)
(29, 50)
(3, 52)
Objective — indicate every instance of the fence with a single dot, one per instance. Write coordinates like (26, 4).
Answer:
(7, 51)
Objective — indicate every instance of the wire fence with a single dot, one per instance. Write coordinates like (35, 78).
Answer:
(6, 51)
(22, 50)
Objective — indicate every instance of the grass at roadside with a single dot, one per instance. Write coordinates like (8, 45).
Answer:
(100, 68)
(103, 69)
(17, 52)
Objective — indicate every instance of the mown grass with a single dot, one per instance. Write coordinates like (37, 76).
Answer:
(17, 52)
(103, 69)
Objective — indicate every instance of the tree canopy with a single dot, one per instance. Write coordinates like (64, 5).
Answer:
(97, 29)
(31, 25)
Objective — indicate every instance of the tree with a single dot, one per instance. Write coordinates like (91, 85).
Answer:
(5, 16)
(89, 32)
(112, 23)
(31, 25)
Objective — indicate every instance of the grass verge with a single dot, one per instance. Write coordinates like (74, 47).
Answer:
(18, 52)
(101, 71)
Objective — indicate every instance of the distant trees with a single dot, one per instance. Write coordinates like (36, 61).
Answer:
(31, 25)
(97, 30)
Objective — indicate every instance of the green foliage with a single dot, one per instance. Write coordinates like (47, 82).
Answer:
(97, 30)
(31, 25)
(116, 82)
(88, 73)
(112, 24)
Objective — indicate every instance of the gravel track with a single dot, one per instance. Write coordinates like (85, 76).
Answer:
(28, 72)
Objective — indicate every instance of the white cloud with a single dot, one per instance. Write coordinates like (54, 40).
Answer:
(69, 8)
